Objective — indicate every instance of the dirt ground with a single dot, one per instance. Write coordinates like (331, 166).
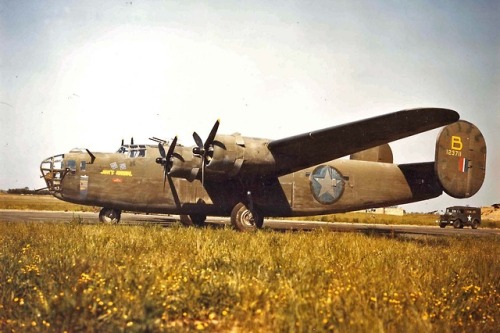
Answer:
(490, 213)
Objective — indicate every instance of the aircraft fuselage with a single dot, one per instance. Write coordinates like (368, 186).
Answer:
(134, 182)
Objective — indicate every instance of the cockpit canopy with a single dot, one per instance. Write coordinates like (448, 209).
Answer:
(133, 150)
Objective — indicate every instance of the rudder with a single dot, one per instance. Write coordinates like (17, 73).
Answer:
(460, 159)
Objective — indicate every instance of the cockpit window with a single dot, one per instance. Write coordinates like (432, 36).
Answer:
(133, 150)
(71, 165)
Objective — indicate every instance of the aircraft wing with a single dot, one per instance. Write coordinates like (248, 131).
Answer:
(308, 149)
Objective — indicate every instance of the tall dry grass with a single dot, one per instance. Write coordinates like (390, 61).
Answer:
(74, 277)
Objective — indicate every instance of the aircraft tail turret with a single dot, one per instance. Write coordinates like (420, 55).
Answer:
(460, 159)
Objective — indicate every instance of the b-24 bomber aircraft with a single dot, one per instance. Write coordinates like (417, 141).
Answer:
(249, 178)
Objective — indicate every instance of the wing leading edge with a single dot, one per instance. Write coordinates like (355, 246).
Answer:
(308, 149)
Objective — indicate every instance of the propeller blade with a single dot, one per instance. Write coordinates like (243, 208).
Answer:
(203, 172)
(163, 161)
(211, 136)
(166, 158)
(162, 150)
(171, 148)
(197, 140)
(164, 177)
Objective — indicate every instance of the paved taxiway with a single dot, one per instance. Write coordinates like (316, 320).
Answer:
(166, 220)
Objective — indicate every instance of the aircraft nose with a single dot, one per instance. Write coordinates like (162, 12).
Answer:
(52, 169)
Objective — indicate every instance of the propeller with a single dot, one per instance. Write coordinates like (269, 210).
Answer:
(202, 149)
(166, 158)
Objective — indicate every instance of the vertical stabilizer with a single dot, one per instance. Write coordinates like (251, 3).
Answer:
(461, 159)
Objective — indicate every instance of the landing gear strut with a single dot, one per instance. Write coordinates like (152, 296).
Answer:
(110, 215)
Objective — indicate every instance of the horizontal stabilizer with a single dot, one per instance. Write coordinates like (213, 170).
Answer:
(461, 159)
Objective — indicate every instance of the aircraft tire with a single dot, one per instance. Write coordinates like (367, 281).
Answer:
(110, 215)
(198, 220)
(186, 221)
(193, 220)
(244, 219)
(474, 224)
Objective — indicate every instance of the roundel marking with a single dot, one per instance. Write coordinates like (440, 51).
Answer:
(327, 184)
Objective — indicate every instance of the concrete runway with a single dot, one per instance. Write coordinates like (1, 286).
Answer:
(279, 225)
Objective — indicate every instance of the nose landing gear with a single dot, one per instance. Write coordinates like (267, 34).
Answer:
(110, 215)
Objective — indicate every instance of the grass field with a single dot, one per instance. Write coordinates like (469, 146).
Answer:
(75, 277)
(39, 202)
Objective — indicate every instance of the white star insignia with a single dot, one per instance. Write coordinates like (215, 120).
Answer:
(327, 184)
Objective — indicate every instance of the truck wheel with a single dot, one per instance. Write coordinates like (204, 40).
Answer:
(475, 224)
(110, 215)
(442, 225)
(246, 219)
(457, 223)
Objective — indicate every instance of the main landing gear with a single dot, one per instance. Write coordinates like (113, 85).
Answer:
(245, 218)
(110, 215)
(193, 220)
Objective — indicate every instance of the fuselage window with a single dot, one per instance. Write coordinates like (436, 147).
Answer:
(83, 165)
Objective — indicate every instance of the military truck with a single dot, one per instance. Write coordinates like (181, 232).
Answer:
(460, 216)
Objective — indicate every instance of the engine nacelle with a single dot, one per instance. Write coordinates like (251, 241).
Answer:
(226, 156)
(234, 156)
(185, 164)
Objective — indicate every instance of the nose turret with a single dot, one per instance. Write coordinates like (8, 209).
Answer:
(53, 172)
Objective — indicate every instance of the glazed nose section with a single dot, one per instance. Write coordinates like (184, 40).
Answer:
(53, 172)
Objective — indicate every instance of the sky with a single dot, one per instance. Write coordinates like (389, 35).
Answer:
(91, 73)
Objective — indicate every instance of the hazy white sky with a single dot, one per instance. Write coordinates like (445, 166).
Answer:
(89, 73)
